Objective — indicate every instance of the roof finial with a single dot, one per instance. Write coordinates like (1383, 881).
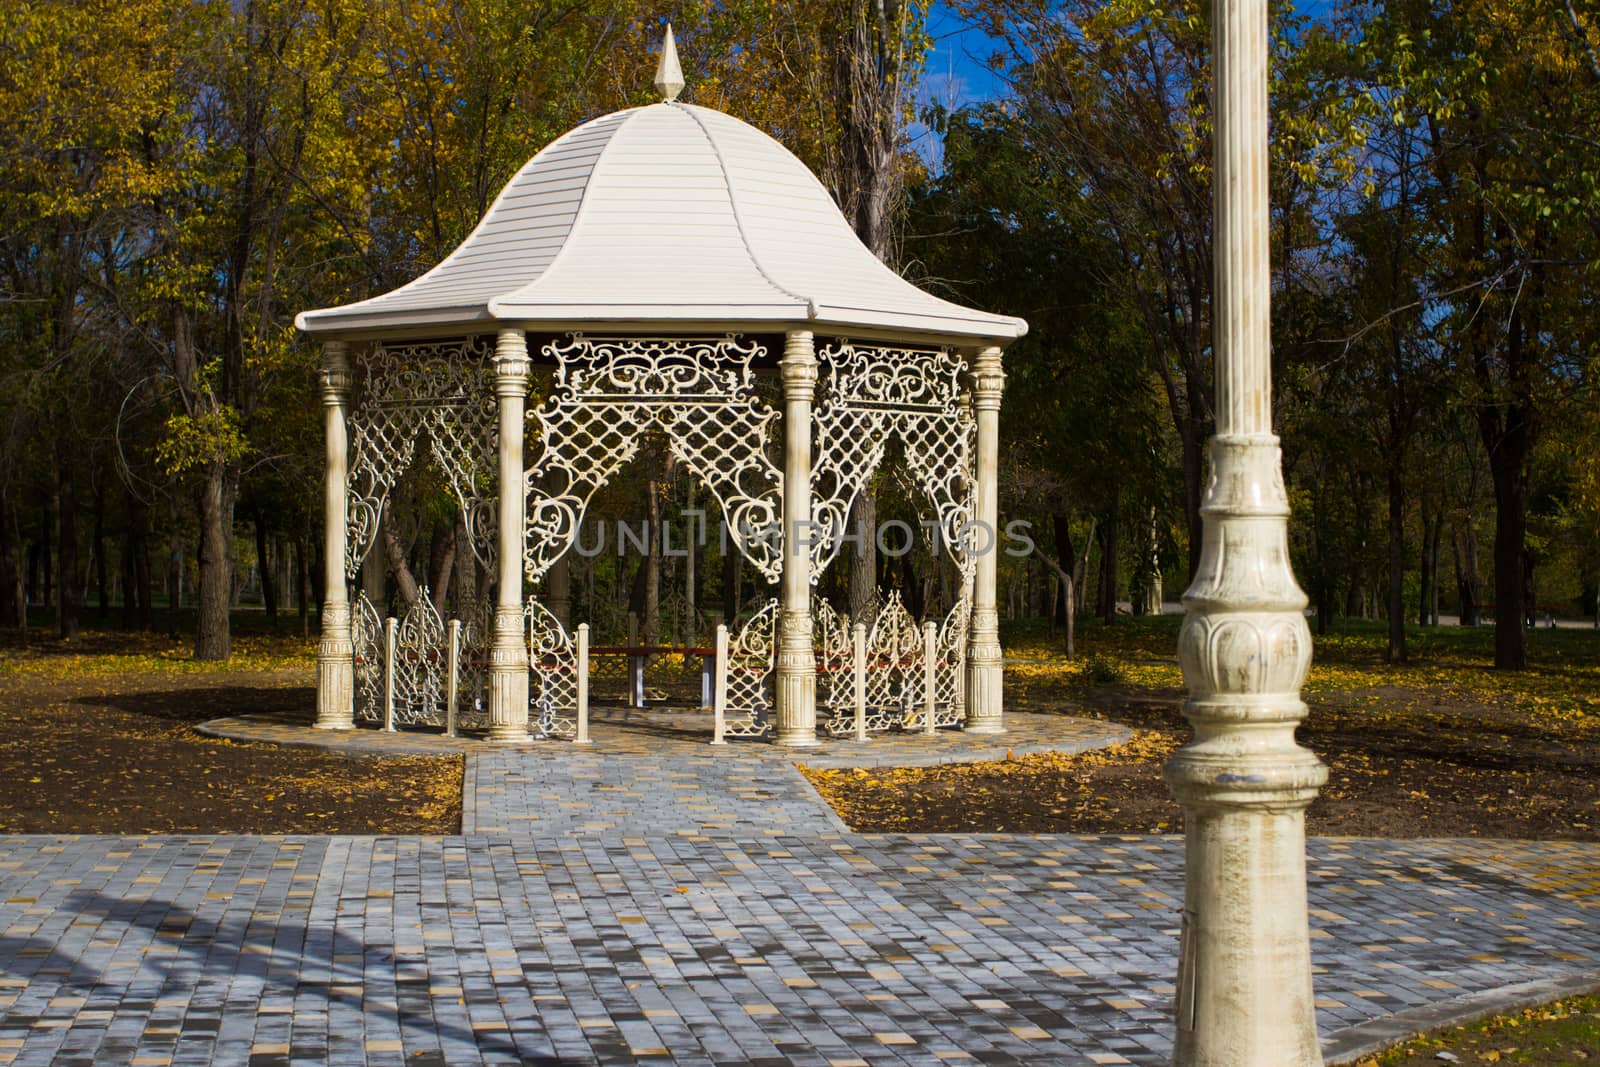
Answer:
(669, 76)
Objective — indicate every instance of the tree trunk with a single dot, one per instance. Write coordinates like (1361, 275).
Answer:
(558, 589)
(1433, 563)
(1193, 442)
(212, 638)
(11, 581)
(102, 587)
(269, 578)
(864, 557)
(1469, 586)
(1108, 567)
(394, 554)
(1062, 528)
(442, 550)
(66, 518)
(1508, 466)
(1428, 567)
(1396, 652)
(732, 572)
(650, 621)
(466, 582)
(319, 581)
(302, 592)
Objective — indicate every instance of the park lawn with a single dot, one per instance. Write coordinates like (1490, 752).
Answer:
(1563, 1034)
(97, 736)
(1444, 747)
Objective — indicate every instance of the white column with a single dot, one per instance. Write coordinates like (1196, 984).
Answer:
(508, 651)
(984, 701)
(336, 652)
(797, 664)
(1244, 973)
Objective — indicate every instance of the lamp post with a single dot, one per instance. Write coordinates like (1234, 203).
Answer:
(1244, 972)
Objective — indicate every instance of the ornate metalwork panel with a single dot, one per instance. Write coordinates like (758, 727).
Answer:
(869, 395)
(835, 668)
(446, 390)
(419, 665)
(699, 393)
(895, 662)
(553, 673)
(894, 667)
(472, 667)
(366, 634)
(751, 665)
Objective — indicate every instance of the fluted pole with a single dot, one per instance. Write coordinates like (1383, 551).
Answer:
(984, 674)
(797, 665)
(1244, 972)
(508, 650)
(336, 652)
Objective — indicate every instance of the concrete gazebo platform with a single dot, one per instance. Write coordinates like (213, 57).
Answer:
(629, 732)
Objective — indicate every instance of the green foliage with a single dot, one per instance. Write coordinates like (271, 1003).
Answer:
(193, 442)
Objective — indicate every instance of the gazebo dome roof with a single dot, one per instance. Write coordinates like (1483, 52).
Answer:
(667, 215)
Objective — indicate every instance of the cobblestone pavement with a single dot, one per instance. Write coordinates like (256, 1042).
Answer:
(711, 912)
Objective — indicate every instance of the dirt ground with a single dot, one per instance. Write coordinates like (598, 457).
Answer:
(1404, 761)
(97, 737)
(86, 748)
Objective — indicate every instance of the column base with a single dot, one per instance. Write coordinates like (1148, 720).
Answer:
(336, 674)
(985, 679)
(798, 739)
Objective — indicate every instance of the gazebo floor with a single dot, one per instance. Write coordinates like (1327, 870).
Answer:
(686, 733)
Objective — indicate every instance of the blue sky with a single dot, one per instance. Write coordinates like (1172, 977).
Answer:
(958, 74)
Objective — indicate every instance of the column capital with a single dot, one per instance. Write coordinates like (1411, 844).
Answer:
(798, 367)
(511, 363)
(988, 379)
(336, 376)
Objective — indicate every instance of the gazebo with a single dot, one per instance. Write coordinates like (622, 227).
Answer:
(647, 271)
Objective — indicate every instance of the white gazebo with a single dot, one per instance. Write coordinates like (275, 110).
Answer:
(656, 264)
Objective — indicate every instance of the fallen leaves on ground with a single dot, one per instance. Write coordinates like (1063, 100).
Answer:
(1446, 747)
(1565, 1032)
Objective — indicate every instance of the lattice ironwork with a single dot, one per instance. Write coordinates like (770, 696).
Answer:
(870, 395)
(366, 634)
(751, 669)
(552, 673)
(894, 666)
(835, 668)
(419, 665)
(699, 393)
(443, 390)
(949, 667)
(472, 666)
(895, 662)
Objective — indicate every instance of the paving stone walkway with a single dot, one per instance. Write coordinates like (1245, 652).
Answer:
(622, 908)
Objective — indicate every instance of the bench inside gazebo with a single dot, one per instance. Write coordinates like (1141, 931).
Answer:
(665, 273)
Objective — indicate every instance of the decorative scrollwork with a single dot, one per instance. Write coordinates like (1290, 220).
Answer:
(895, 660)
(869, 395)
(751, 665)
(443, 389)
(950, 669)
(553, 673)
(419, 665)
(472, 666)
(835, 667)
(366, 635)
(609, 391)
